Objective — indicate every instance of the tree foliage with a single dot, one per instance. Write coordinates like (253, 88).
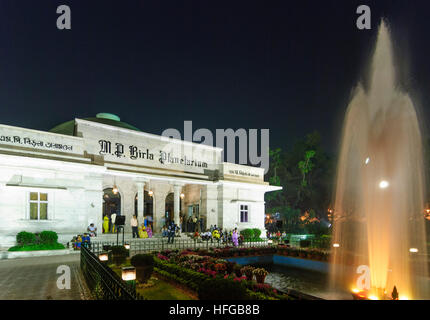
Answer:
(306, 173)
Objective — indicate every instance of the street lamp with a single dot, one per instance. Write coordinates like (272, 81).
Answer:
(128, 273)
(115, 189)
(103, 256)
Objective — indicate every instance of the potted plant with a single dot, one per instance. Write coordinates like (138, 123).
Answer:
(248, 271)
(238, 270)
(260, 274)
(144, 264)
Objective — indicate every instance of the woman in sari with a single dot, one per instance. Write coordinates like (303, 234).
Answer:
(235, 238)
(149, 231)
(105, 224)
(142, 232)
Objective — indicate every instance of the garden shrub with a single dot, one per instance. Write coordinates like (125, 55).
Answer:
(193, 278)
(247, 233)
(25, 238)
(222, 289)
(257, 233)
(144, 264)
(48, 237)
(119, 254)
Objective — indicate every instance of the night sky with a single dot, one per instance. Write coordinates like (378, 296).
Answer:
(284, 65)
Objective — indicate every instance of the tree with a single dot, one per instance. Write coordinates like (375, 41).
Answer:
(305, 171)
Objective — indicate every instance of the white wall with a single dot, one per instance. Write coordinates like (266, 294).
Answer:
(74, 199)
(229, 201)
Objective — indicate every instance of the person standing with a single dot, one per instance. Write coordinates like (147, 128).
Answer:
(171, 232)
(134, 226)
(105, 224)
(235, 237)
(113, 218)
(194, 223)
(201, 223)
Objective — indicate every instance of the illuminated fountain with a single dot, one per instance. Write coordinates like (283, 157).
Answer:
(378, 230)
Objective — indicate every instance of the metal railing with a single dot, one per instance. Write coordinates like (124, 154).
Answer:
(103, 282)
(138, 246)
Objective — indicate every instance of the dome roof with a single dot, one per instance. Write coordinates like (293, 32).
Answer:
(68, 127)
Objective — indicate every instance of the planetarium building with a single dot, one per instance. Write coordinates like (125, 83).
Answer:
(83, 169)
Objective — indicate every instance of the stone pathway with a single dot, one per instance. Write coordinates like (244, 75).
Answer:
(36, 279)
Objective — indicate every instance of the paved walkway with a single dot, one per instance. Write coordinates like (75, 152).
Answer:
(36, 279)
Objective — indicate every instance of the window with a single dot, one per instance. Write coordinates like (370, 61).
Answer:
(38, 206)
(244, 211)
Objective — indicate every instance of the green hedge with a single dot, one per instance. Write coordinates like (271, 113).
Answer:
(45, 240)
(25, 238)
(190, 278)
(257, 233)
(247, 233)
(48, 237)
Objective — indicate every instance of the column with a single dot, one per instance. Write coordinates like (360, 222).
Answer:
(140, 200)
(176, 203)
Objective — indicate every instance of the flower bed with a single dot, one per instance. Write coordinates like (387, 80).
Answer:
(228, 252)
(213, 277)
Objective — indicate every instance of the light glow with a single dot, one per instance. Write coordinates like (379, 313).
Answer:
(103, 256)
(413, 250)
(128, 273)
(367, 160)
(383, 184)
(336, 245)
(372, 297)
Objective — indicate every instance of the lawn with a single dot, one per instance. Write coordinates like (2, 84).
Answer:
(36, 247)
(162, 290)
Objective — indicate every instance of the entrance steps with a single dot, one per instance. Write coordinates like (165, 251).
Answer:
(128, 236)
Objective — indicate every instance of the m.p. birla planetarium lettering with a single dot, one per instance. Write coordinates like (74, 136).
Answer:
(26, 141)
(134, 153)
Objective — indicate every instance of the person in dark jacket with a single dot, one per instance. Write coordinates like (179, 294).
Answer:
(171, 232)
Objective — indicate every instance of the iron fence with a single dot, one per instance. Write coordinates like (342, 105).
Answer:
(138, 246)
(103, 282)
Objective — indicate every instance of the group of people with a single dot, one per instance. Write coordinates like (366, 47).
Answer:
(170, 230)
(191, 224)
(145, 229)
(218, 234)
(276, 235)
(109, 223)
(80, 240)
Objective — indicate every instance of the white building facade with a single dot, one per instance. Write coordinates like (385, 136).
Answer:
(63, 181)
